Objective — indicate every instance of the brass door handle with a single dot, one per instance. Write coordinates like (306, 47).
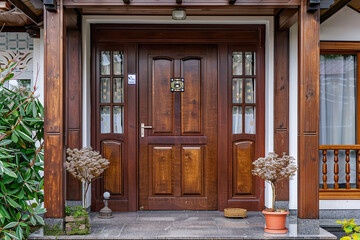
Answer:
(142, 129)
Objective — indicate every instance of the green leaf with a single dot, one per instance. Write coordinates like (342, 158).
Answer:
(11, 225)
(345, 238)
(12, 202)
(10, 236)
(5, 212)
(33, 221)
(41, 210)
(24, 136)
(19, 232)
(39, 220)
(348, 230)
(34, 109)
(10, 173)
(21, 194)
(5, 142)
(14, 138)
(10, 76)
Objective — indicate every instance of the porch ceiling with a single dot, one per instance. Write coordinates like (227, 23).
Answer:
(20, 13)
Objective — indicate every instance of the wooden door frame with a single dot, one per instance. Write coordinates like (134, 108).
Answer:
(223, 35)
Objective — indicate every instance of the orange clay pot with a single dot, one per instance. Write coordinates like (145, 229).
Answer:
(275, 221)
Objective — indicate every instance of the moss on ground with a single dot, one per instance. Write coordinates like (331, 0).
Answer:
(53, 230)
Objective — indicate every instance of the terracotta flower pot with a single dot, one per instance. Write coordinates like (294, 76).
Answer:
(275, 221)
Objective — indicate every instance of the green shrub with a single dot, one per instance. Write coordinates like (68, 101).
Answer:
(351, 229)
(76, 211)
(21, 158)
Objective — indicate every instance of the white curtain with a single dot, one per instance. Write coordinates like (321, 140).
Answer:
(338, 110)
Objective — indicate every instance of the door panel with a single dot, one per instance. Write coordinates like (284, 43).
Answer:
(192, 165)
(112, 151)
(243, 156)
(162, 176)
(162, 98)
(191, 98)
(177, 159)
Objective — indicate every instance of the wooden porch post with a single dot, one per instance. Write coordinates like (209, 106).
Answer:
(54, 117)
(308, 103)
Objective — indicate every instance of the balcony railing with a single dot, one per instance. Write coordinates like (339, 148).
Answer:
(344, 190)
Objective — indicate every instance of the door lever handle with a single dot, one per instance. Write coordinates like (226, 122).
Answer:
(142, 129)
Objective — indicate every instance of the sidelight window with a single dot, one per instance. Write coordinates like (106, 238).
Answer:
(112, 92)
(243, 92)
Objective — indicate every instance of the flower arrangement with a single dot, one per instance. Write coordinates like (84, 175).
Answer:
(274, 168)
(85, 165)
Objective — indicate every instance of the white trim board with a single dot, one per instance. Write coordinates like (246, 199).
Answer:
(268, 21)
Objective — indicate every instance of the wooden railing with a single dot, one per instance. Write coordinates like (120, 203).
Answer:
(337, 192)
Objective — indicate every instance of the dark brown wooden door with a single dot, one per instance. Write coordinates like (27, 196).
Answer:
(178, 155)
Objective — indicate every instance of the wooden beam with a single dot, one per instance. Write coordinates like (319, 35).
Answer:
(73, 96)
(333, 9)
(287, 18)
(281, 101)
(54, 172)
(308, 112)
(199, 3)
(26, 10)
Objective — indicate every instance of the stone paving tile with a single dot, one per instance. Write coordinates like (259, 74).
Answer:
(187, 225)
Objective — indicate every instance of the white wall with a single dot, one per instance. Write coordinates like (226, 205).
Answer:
(342, 26)
(293, 109)
(38, 66)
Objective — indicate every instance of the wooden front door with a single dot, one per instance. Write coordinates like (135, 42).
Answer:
(178, 155)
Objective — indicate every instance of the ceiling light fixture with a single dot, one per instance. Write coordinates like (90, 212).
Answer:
(179, 14)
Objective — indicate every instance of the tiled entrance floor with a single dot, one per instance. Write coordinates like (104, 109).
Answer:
(193, 225)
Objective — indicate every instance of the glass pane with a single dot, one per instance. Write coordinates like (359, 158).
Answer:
(118, 59)
(250, 63)
(105, 119)
(249, 90)
(118, 119)
(118, 89)
(338, 99)
(237, 90)
(105, 63)
(237, 120)
(237, 63)
(250, 125)
(105, 90)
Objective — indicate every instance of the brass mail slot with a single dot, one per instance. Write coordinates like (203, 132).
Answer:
(177, 84)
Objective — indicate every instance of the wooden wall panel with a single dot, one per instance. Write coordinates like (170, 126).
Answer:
(243, 156)
(54, 172)
(281, 101)
(113, 176)
(163, 122)
(73, 96)
(162, 159)
(192, 166)
(191, 97)
(308, 108)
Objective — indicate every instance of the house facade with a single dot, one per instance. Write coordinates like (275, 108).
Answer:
(181, 107)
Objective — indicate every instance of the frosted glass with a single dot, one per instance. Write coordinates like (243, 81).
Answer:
(237, 120)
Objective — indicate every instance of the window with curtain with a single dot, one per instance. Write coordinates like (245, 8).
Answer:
(338, 115)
